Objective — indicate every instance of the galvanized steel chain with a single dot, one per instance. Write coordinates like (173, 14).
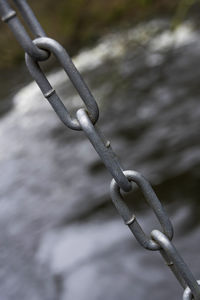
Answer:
(40, 49)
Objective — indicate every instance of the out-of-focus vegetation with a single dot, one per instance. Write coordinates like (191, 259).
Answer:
(77, 23)
(182, 10)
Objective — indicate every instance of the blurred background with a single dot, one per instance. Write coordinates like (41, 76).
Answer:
(61, 237)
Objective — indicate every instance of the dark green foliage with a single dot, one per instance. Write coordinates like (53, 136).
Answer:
(77, 23)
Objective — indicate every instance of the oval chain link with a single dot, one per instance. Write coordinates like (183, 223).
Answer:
(130, 219)
(75, 77)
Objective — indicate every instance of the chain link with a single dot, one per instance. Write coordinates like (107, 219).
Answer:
(75, 77)
(131, 220)
(9, 16)
(30, 18)
(188, 294)
(103, 148)
(176, 262)
(40, 49)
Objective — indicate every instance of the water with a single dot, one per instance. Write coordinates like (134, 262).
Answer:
(61, 238)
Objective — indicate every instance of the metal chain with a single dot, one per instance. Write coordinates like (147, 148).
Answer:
(40, 49)
(9, 16)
